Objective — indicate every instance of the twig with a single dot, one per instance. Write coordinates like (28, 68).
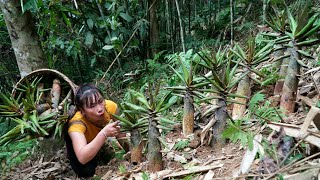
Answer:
(292, 164)
(241, 176)
(304, 168)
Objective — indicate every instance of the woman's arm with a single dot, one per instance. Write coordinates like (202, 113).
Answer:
(87, 151)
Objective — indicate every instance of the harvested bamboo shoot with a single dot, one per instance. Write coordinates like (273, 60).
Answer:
(55, 93)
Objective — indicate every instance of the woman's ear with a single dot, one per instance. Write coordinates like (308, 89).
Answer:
(82, 112)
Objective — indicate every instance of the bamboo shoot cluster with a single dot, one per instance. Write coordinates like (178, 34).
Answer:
(37, 112)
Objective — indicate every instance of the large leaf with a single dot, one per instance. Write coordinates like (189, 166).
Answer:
(141, 98)
(136, 107)
(126, 17)
(123, 120)
(292, 23)
(307, 27)
(311, 32)
(172, 101)
(179, 75)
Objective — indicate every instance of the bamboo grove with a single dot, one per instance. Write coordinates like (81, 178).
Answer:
(220, 78)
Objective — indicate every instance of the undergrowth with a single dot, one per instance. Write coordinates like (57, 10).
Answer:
(15, 153)
(259, 111)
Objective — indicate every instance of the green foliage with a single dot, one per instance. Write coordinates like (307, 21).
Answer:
(122, 169)
(137, 110)
(263, 111)
(23, 111)
(14, 154)
(255, 100)
(180, 145)
(235, 132)
(224, 80)
(260, 109)
(270, 75)
(189, 177)
(252, 56)
(145, 176)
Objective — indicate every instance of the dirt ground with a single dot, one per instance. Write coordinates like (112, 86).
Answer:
(227, 159)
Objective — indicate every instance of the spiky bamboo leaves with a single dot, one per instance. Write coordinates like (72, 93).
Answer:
(249, 59)
(222, 78)
(133, 123)
(301, 29)
(189, 90)
(150, 120)
(278, 25)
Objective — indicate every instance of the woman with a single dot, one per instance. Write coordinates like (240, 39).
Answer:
(89, 128)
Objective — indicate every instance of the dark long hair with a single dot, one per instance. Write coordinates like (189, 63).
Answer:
(87, 94)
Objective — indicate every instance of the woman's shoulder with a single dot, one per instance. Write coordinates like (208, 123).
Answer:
(77, 116)
(111, 106)
(77, 123)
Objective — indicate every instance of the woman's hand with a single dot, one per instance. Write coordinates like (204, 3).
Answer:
(112, 129)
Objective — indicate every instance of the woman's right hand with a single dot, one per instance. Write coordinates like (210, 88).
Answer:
(112, 129)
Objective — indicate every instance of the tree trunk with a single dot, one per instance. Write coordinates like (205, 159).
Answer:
(154, 27)
(243, 89)
(188, 115)
(264, 11)
(137, 145)
(189, 17)
(181, 27)
(220, 125)
(231, 21)
(168, 33)
(24, 39)
(154, 147)
(290, 86)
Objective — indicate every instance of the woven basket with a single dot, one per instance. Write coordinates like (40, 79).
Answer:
(48, 75)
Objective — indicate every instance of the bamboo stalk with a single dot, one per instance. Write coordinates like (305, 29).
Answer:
(137, 145)
(188, 115)
(282, 73)
(290, 86)
(220, 125)
(154, 147)
(243, 89)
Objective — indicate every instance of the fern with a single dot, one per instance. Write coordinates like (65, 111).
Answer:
(263, 111)
(180, 145)
(258, 108)
(236, 133)
(255, 99)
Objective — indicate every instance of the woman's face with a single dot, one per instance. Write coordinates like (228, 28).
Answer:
(94, 111)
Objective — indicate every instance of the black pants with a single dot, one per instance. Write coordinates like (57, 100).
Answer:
(82, 170)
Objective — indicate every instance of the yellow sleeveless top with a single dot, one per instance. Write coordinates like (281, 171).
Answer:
(90, 131)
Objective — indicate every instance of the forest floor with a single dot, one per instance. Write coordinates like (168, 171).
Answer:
(223, 163)
(195, 161)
